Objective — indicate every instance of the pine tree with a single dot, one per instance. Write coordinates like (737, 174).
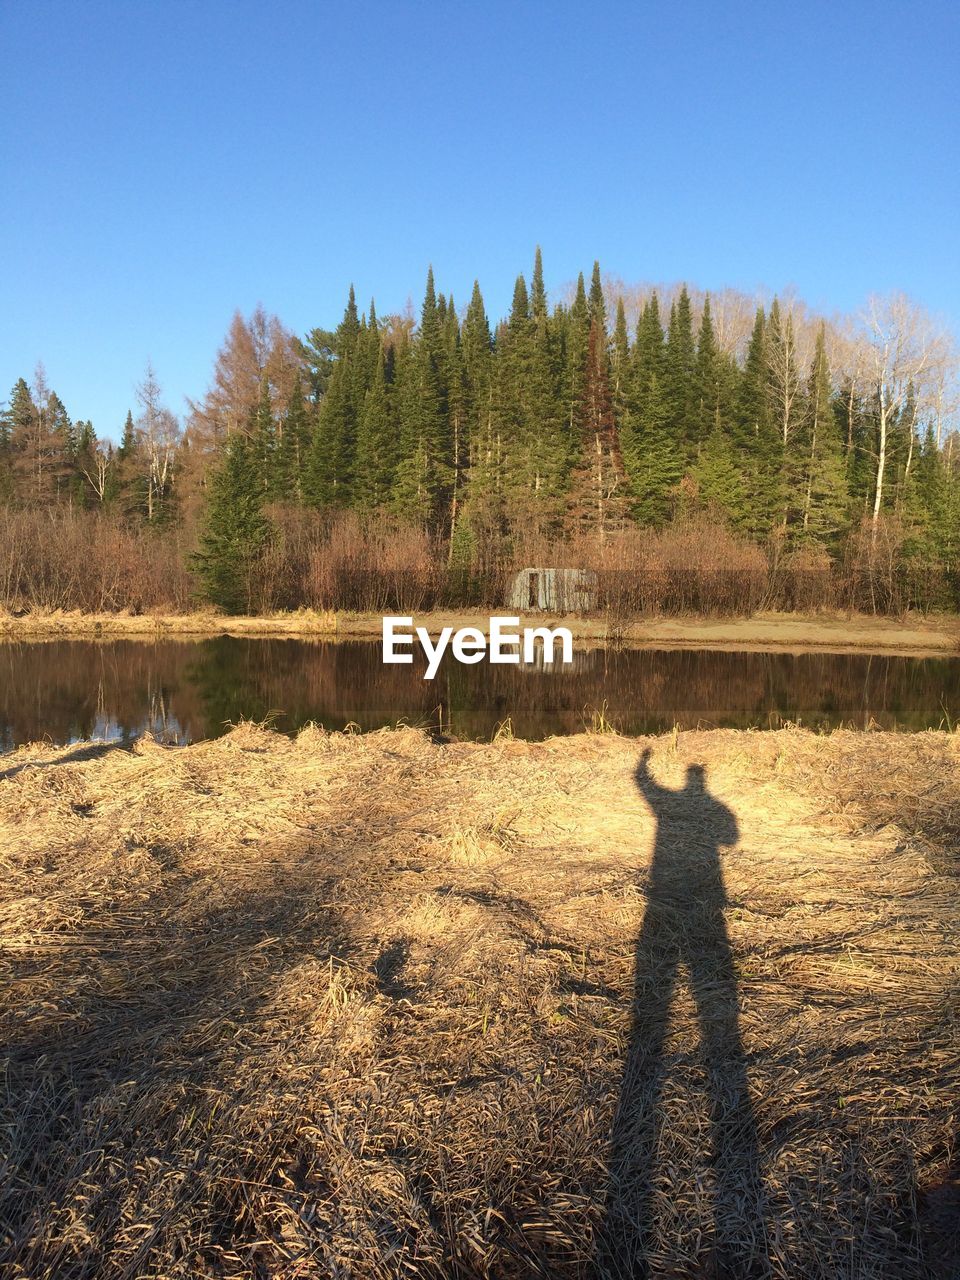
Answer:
(576, 337)
(235, 531)
(481, 513)
(423, 477)
(376, 444)
(292, 447)
(129, 478)
(758, 445)
(822, 480)
(653, 462)
(598, 498)
(477, 357)
(328, 474)
(61, 449)
(652, 455)
(16, 432)
(457, 430)
(620, 362)
(597, 308)
(719, 479)
(538, 294)
(707, 389)
(88, 480)
(679, 376)
(753, 419)
(649, 352)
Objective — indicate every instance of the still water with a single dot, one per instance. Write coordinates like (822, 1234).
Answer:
(184, 691)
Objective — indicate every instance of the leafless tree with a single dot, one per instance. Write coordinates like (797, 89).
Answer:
(253, 348)
(96, 470)
(159, 435)
(903, 345)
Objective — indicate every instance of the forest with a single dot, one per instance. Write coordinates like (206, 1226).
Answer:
(701, 451)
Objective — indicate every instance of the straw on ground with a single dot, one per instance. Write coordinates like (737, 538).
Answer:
(360, 1006)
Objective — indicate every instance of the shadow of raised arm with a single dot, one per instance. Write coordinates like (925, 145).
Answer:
(652, 792)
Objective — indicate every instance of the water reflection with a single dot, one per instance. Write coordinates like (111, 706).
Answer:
(184, 691)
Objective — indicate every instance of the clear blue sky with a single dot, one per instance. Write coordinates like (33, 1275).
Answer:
(166, 163)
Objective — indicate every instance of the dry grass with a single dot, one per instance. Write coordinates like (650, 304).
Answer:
(60, 624)
(837, 633)
(360, 1006)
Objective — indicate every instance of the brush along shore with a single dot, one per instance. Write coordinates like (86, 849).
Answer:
(913, 634)
(378, 1006)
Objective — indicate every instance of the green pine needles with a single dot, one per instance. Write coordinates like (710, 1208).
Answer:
(235, 531)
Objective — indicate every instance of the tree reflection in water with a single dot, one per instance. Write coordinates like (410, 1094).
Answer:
(69, 690)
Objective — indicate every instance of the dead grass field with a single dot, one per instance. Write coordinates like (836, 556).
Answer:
(765, 631)
(375, 1006)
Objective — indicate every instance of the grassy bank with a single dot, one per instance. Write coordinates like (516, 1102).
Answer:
(379, 1007)
(772, 631)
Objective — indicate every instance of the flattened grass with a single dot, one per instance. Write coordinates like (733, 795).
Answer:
(360, 1006)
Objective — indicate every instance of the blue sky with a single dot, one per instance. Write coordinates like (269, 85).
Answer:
(166, 163)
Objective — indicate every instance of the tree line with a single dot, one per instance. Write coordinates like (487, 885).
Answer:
(576, 423)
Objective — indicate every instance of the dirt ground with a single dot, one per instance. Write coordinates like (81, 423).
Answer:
(765, 631)
(382, 1006)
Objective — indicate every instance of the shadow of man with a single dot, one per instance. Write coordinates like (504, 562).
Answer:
(684, 922)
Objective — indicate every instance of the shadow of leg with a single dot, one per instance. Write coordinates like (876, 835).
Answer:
(627, 1231)
(739, 1220)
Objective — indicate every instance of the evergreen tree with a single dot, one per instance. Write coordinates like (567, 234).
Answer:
(481, 514)
(679, 376)
(822, 481)
(16, 432)
(651, 457)
(706, 379)
(457, 427)
(597, 308)
(575, 326)
(598, 497)
(758, 445)
(235, 531)
(423, 477)
(329, 471)
(376, 444)
(620, 362)
(293, 442)
(88, 479)
(753, 421)
(719, 479)
(129, 483)
(649, 353)
(477, 357)
(20, 413)
(538, 294)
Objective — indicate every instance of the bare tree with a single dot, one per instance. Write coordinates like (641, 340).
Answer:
(945, 391)
(96, 470)
(903, 346)
(159, 434)
(253, 348)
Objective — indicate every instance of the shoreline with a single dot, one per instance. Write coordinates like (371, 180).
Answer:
(773, 632)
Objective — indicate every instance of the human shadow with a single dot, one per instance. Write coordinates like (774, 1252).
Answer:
(684, 923)
(80, 752)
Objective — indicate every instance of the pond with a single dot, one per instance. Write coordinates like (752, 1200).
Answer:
(66, 691)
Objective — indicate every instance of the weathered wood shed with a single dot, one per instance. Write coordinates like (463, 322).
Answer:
(553, 591)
